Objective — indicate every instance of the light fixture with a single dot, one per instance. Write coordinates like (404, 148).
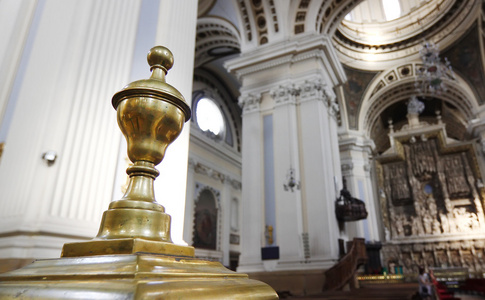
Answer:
(430, 77)
(50, 157)
(292, 183)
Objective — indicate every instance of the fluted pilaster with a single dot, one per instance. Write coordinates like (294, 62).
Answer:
(78, 58)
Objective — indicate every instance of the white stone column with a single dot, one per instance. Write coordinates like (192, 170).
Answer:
(319, 160)
(298, 76)
(190, 202)
(289, 216)
(77, 55)
(252, 181)
(226, 196)
(176, 31)
(356, 167)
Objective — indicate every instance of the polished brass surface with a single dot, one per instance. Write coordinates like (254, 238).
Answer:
(151, 114)
(136, 276)
(133, 256)
(124, 246)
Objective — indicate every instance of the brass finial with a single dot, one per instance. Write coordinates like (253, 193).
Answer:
(160, 57)
(151, 115)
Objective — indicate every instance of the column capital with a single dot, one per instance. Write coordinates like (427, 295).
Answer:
(249, 102)
(316, 89)
(300, 48)
(284, 94)
(313, 89)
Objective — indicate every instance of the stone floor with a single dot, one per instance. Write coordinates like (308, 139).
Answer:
(395, 291)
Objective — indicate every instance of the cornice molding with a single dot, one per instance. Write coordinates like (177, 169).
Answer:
(202, 169)
(302, 47)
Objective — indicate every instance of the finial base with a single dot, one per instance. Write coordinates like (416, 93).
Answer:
(124, 246)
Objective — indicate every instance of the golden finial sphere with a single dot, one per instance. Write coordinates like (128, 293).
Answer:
(160, 56)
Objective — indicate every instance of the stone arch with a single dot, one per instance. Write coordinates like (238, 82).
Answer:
(331, 13)
(393, 85)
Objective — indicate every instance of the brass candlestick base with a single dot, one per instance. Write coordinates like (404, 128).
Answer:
(133, 256)
(138, 276)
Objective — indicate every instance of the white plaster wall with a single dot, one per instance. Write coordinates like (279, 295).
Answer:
(176, 31)
(289, 218)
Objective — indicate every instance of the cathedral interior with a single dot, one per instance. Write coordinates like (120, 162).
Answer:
(297, 107)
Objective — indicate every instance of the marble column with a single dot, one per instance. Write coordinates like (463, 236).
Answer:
(252, 178)
(176, 30)
(288, 201)
(356, 151)
(321, 166)
(295, 81)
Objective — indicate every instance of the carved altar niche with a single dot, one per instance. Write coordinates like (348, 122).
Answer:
(431, 195)
(430, 186)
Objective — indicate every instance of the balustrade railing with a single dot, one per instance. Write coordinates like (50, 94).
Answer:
(341, 273)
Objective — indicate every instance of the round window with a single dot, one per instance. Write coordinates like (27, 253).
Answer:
(209, 116)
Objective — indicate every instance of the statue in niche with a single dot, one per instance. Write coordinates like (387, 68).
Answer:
(419, 206)
(450, 217)
(436, 227)
(468, 262)
(432, 208)
(393, 224)
(430, 260)
(399, 222)
(442, 259)
(461, 219)
(445, 225)
(455, 260)
(416, 226)
(427, 222)
(387, 234)
(415, 107)
(479, 215)
(442, 178)
(474, 222)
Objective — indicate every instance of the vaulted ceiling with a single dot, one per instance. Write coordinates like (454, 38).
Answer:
(380, 55)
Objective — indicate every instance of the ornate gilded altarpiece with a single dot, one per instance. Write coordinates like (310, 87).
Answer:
(431, 196)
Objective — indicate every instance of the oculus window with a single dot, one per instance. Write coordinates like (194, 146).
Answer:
(209, 117)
